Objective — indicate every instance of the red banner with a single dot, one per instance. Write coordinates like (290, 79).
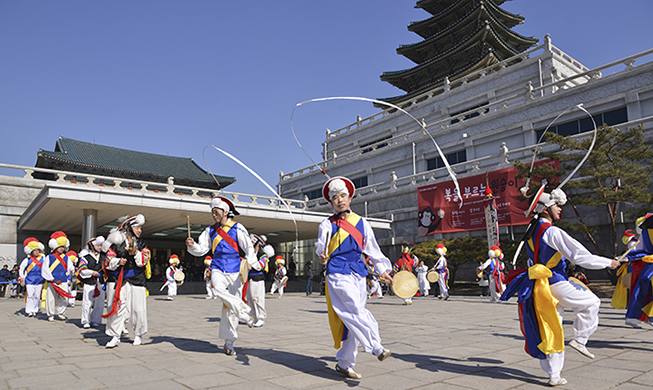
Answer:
(438, 203)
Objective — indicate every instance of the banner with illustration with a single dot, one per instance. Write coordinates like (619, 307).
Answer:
(438, 203)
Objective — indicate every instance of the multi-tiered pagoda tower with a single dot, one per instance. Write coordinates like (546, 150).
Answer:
(461, 37)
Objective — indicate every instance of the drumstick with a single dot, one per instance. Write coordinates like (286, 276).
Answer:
(326, 244)
(188, 224)
(629, 249)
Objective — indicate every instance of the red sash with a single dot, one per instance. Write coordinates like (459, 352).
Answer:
(351, 229)
(115, 305)
(227, 238)
(64, 264)
(536, 241)
(61, 291)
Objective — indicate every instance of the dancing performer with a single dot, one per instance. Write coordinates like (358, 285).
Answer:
(280, 278)
(255, 295)
(170, 277)
(30, 274)
(55, 270)
(424, 285)
(127, 257)
(229, 241)
(72, 277)
(90, 274)
(443, 271)
(639, 308)
(210, 294)
(405, 263)
(374, 287)
(495, 269)
(342, 238)
(544, 288)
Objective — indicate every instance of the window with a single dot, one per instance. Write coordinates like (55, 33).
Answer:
(583, 125)
(452, 158)
(472, 115)
(360, 182)
(368, 148)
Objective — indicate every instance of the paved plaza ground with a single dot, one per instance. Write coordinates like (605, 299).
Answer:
(463, 343)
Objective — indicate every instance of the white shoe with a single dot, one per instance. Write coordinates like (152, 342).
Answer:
(62, 317)
(229, 348)
(125, 331)
(170, 298)
(383, 355)
(138, 340)
(31, 315)
(581, 348)
(86, 326)
(557, 382)
(633, 322)
(348, 372)
(51, 318)
(259, 323)
(250, 322)
(113, 342)
(208, 298)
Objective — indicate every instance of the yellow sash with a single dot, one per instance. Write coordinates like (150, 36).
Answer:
(620, 295)
(553, 339)
(226, 229)
(54, 265)
(648, 309)
(341, 234)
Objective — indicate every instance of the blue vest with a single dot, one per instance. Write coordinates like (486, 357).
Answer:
(59, 273)
(225, 258)
(548, 256)
(346, 258)
(34, 275)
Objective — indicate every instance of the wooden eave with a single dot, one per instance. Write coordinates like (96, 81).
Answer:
(436, 6)
(446, 39)
(457, 11)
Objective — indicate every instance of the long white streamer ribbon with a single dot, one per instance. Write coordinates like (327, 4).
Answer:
(444, 159)
(256, 175)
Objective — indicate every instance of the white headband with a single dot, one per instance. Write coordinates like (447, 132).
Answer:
(217, 203)
(338, 186)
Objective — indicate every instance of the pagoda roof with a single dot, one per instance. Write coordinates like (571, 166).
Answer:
(84, 157)
(435, 6)
(453, 61)
(457, 11)
(452, 35)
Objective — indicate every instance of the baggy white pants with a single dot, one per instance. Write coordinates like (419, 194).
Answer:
(348, 297)
(33, 300)
(442, 283)
(88, 302)
(172, 289)
(55, 303)
(256, 299)
(494, 295)
(133, 306)
(586, 306)
(209, 290)
(376, 287)
(228, 288)
(277, 286)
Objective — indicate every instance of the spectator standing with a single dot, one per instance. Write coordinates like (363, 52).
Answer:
(308, 272)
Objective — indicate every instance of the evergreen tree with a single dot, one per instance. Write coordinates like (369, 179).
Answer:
(459, 251)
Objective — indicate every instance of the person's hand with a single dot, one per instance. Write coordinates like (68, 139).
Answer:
(122, 261)
(95, 273)
(190, 241)
(614, 264)
(386, 278)
(324, 258)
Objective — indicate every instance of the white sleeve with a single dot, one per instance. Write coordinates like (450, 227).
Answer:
(45, 269)
(202, 245)
(245, 243)
(324, 231)
(372, 250)
(573, 250)
(85, 273)
(486, 264)
(23, 266)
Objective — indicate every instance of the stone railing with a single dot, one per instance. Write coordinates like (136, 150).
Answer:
(86, 179)
(468, 168)
(529, 94)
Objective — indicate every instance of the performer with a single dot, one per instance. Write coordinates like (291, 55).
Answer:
(424, 285)
(280, 278)
(72, 278)
(373, 285)
(30, 274)
(255, 295)
(443, 271)
(228, 239)
(55, 270)
(546, 283)
(90, 273)
(640, 303)
(170, 277)
(495, 269)
(127, 257)
(210, 294)
(342, 239)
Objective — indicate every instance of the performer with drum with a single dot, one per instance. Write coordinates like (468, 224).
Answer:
(171, 282)
(280, 277)
(210, 294)
(127, 257)
(406, 263)
(544, 287)
(229, 241)
(442, 271)
(55, 270)
(90, 270)
(342, 238)
(30, 275)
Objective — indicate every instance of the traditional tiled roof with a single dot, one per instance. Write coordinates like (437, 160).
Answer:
(462, 36)
(83, 157)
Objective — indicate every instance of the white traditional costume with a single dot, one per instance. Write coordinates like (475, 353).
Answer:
(210, 294)
(495, 269)
(170, 277)
(424, 285)
(280, 278)
(255, 295)
(30, 273)
(90, 275)
(56, 270)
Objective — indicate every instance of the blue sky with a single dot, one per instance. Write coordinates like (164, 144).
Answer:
(172, 77)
